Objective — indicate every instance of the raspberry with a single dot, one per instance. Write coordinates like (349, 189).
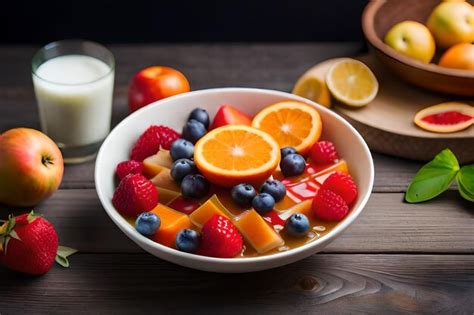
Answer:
(128, 167)
(168, 136)
(148, 144)
(329, 206)
(134, 195)
(220, 238)
(323, 152)
(343, 185)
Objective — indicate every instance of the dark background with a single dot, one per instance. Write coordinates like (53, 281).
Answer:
(39, 22)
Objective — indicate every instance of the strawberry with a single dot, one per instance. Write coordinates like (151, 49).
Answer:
(329, 206)
(343, 185)
(229, 115)
(147, 144)
(323, 152)
(135, 194)
(29, 243)
(128, 167)
(168, 136)
(220, 238)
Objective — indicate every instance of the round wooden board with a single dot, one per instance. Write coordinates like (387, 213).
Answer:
(387, 122)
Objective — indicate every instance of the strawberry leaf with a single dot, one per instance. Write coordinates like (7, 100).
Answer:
(62, 254)
(32, 216)
(14, 235)
(5, 246)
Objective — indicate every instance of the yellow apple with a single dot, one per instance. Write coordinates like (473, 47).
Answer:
(452, 23)
(411, 39)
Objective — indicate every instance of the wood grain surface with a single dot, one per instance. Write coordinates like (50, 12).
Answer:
(396, 258)
(326, 284)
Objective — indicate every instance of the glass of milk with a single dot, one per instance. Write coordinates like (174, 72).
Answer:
(74, 83)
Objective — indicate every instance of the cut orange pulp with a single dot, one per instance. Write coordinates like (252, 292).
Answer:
(236, 154)
(291, 124)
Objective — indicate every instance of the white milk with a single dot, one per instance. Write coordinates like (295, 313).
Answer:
(74, 94)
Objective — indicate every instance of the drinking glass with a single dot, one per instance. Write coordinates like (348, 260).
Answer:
(73, 82)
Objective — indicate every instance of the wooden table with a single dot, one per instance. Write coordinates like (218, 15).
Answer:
(395, 258)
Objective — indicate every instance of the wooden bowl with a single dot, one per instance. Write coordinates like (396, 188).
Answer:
(380, 15)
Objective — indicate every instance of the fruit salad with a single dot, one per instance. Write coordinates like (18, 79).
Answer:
(235, 186)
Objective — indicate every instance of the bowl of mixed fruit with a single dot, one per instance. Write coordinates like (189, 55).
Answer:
(233, 179)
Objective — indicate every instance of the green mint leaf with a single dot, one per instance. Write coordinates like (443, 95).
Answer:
(62, 254)
(433, 178)
(465, 179)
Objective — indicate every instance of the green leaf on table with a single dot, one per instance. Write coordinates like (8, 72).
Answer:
(433, 178)
(62, 255)
(465, 179)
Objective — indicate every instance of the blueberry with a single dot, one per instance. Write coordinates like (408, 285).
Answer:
(297, 225)
(181, 168)
(194, 186)
(193, 130)
(182, 149)
(292, 165)
(274, 188)
(243, 194)
(287, 150)
(147, 223)
(200, 115)
(263, 203)
(187, 240)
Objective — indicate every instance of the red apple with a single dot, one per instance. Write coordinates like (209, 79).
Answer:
(153, 84)
(31, 167)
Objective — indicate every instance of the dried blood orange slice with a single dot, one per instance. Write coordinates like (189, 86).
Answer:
(445, 117)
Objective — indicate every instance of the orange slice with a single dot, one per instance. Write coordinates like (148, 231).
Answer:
(291, 123)
(236, 154)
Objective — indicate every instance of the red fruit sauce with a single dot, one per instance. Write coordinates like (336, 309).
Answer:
(446, 118)
(184, 205)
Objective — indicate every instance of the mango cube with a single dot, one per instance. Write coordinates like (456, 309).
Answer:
(172, 222)
(303, 207)
(212, 206)
(164, 180)
(257, 232)
(152, 167)
(166, 196)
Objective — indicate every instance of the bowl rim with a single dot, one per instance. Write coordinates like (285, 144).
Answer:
(368, 28)
(131, 233)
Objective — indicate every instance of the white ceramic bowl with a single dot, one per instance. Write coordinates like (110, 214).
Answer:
(173, 112)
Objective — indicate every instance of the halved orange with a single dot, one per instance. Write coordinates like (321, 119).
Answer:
(291, 123)
(235, 154)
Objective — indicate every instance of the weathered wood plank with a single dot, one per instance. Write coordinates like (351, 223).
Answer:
(444, 225)
(328, 284)
(206, 66)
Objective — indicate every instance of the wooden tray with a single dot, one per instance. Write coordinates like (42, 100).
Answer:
(387, 123)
